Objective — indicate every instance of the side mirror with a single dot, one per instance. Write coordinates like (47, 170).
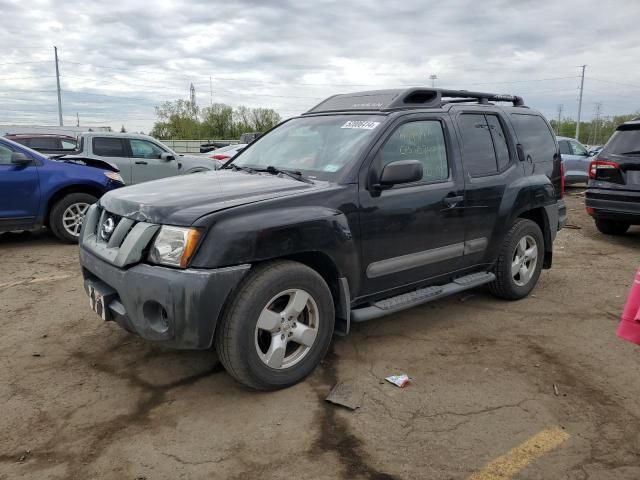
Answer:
(401, 171)
(166, 156)
(18, 158)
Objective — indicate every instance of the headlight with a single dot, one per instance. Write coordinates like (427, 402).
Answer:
(174, 246)
(114, 176)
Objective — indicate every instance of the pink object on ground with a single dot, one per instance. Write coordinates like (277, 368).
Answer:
(629, 328)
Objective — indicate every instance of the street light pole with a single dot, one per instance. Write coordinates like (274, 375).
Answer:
(55, 52)
(580, 103)
(433, 80)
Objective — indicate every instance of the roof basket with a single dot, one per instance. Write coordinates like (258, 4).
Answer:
(401, 99)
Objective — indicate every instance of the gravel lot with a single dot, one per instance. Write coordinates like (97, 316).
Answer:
(83, 399)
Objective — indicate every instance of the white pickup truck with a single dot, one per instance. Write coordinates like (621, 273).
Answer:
(140, 158)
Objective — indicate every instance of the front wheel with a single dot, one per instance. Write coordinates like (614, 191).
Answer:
(278, 326)
(519, 261)
(67, 215)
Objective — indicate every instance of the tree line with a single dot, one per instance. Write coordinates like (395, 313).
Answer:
(594, 132)
(181, 119)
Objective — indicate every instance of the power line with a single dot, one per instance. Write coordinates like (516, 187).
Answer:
(25, 63)
(614, 83)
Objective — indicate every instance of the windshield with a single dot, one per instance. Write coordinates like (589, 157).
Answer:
(317, 146)
(623, 141)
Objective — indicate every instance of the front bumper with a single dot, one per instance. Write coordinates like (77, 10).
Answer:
(179, 308)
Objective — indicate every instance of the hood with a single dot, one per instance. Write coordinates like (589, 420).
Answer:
(183, 199)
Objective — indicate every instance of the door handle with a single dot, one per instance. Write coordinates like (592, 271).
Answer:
(141, 162)
(452, 201)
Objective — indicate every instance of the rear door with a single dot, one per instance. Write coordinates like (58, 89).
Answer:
(147, 161)
(19, 191)
(114, 150)
(489, 164)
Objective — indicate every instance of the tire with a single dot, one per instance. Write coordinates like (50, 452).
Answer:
(247, 352)
(611, 227)
(59, 220)
(520, 238)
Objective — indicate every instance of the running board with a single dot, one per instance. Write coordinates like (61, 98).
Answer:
(420, 296)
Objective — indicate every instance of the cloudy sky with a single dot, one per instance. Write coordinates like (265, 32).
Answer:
(119, 59)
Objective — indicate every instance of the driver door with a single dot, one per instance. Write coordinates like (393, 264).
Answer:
(413, 232)
(19, 192)
(148, 163)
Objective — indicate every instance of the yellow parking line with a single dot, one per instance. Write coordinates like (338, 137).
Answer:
(507, 465)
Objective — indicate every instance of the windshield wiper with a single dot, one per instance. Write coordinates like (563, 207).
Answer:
(238, 167)
(295, 174)
(633, 152)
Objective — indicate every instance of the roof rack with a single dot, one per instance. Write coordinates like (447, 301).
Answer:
(402, 99)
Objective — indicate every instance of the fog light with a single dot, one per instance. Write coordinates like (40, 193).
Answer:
(156, 316)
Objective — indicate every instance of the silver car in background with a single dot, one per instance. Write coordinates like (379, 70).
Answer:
(575, 159)
(140, 158)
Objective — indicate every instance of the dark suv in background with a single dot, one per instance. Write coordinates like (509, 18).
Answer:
(368, 204)
(613, 193)
(44, 142)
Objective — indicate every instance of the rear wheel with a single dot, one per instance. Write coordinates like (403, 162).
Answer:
(611, 227)
(278, 326)
(67, 215)
(519, 261)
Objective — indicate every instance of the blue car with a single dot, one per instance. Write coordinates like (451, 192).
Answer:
(36, 190)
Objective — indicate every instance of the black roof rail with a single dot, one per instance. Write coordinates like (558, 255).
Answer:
(401, 99)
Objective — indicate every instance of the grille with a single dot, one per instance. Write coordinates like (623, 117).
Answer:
(115, 239)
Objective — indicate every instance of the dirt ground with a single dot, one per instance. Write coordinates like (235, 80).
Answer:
(83, 399)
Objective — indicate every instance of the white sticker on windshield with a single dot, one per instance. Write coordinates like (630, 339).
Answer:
(332, 167)
(361, 124)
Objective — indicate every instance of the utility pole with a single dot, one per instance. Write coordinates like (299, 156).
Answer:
(433, 79)
(77, 119)
(211, 89)
(55, 52)
(580, 103)
(560, 107)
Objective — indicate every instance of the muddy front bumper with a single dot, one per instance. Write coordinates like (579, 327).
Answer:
(179, 308)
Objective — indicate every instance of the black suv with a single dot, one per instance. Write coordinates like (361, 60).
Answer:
(613, 193)
(368, 204)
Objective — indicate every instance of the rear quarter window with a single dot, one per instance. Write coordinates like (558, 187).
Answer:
(534, 135)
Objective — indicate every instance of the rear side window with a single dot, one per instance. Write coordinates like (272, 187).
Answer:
(21, 141)
(49, 143)
(108, 147)
(534, 135)
(423, 141)
(625, 141)
(477, 146)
